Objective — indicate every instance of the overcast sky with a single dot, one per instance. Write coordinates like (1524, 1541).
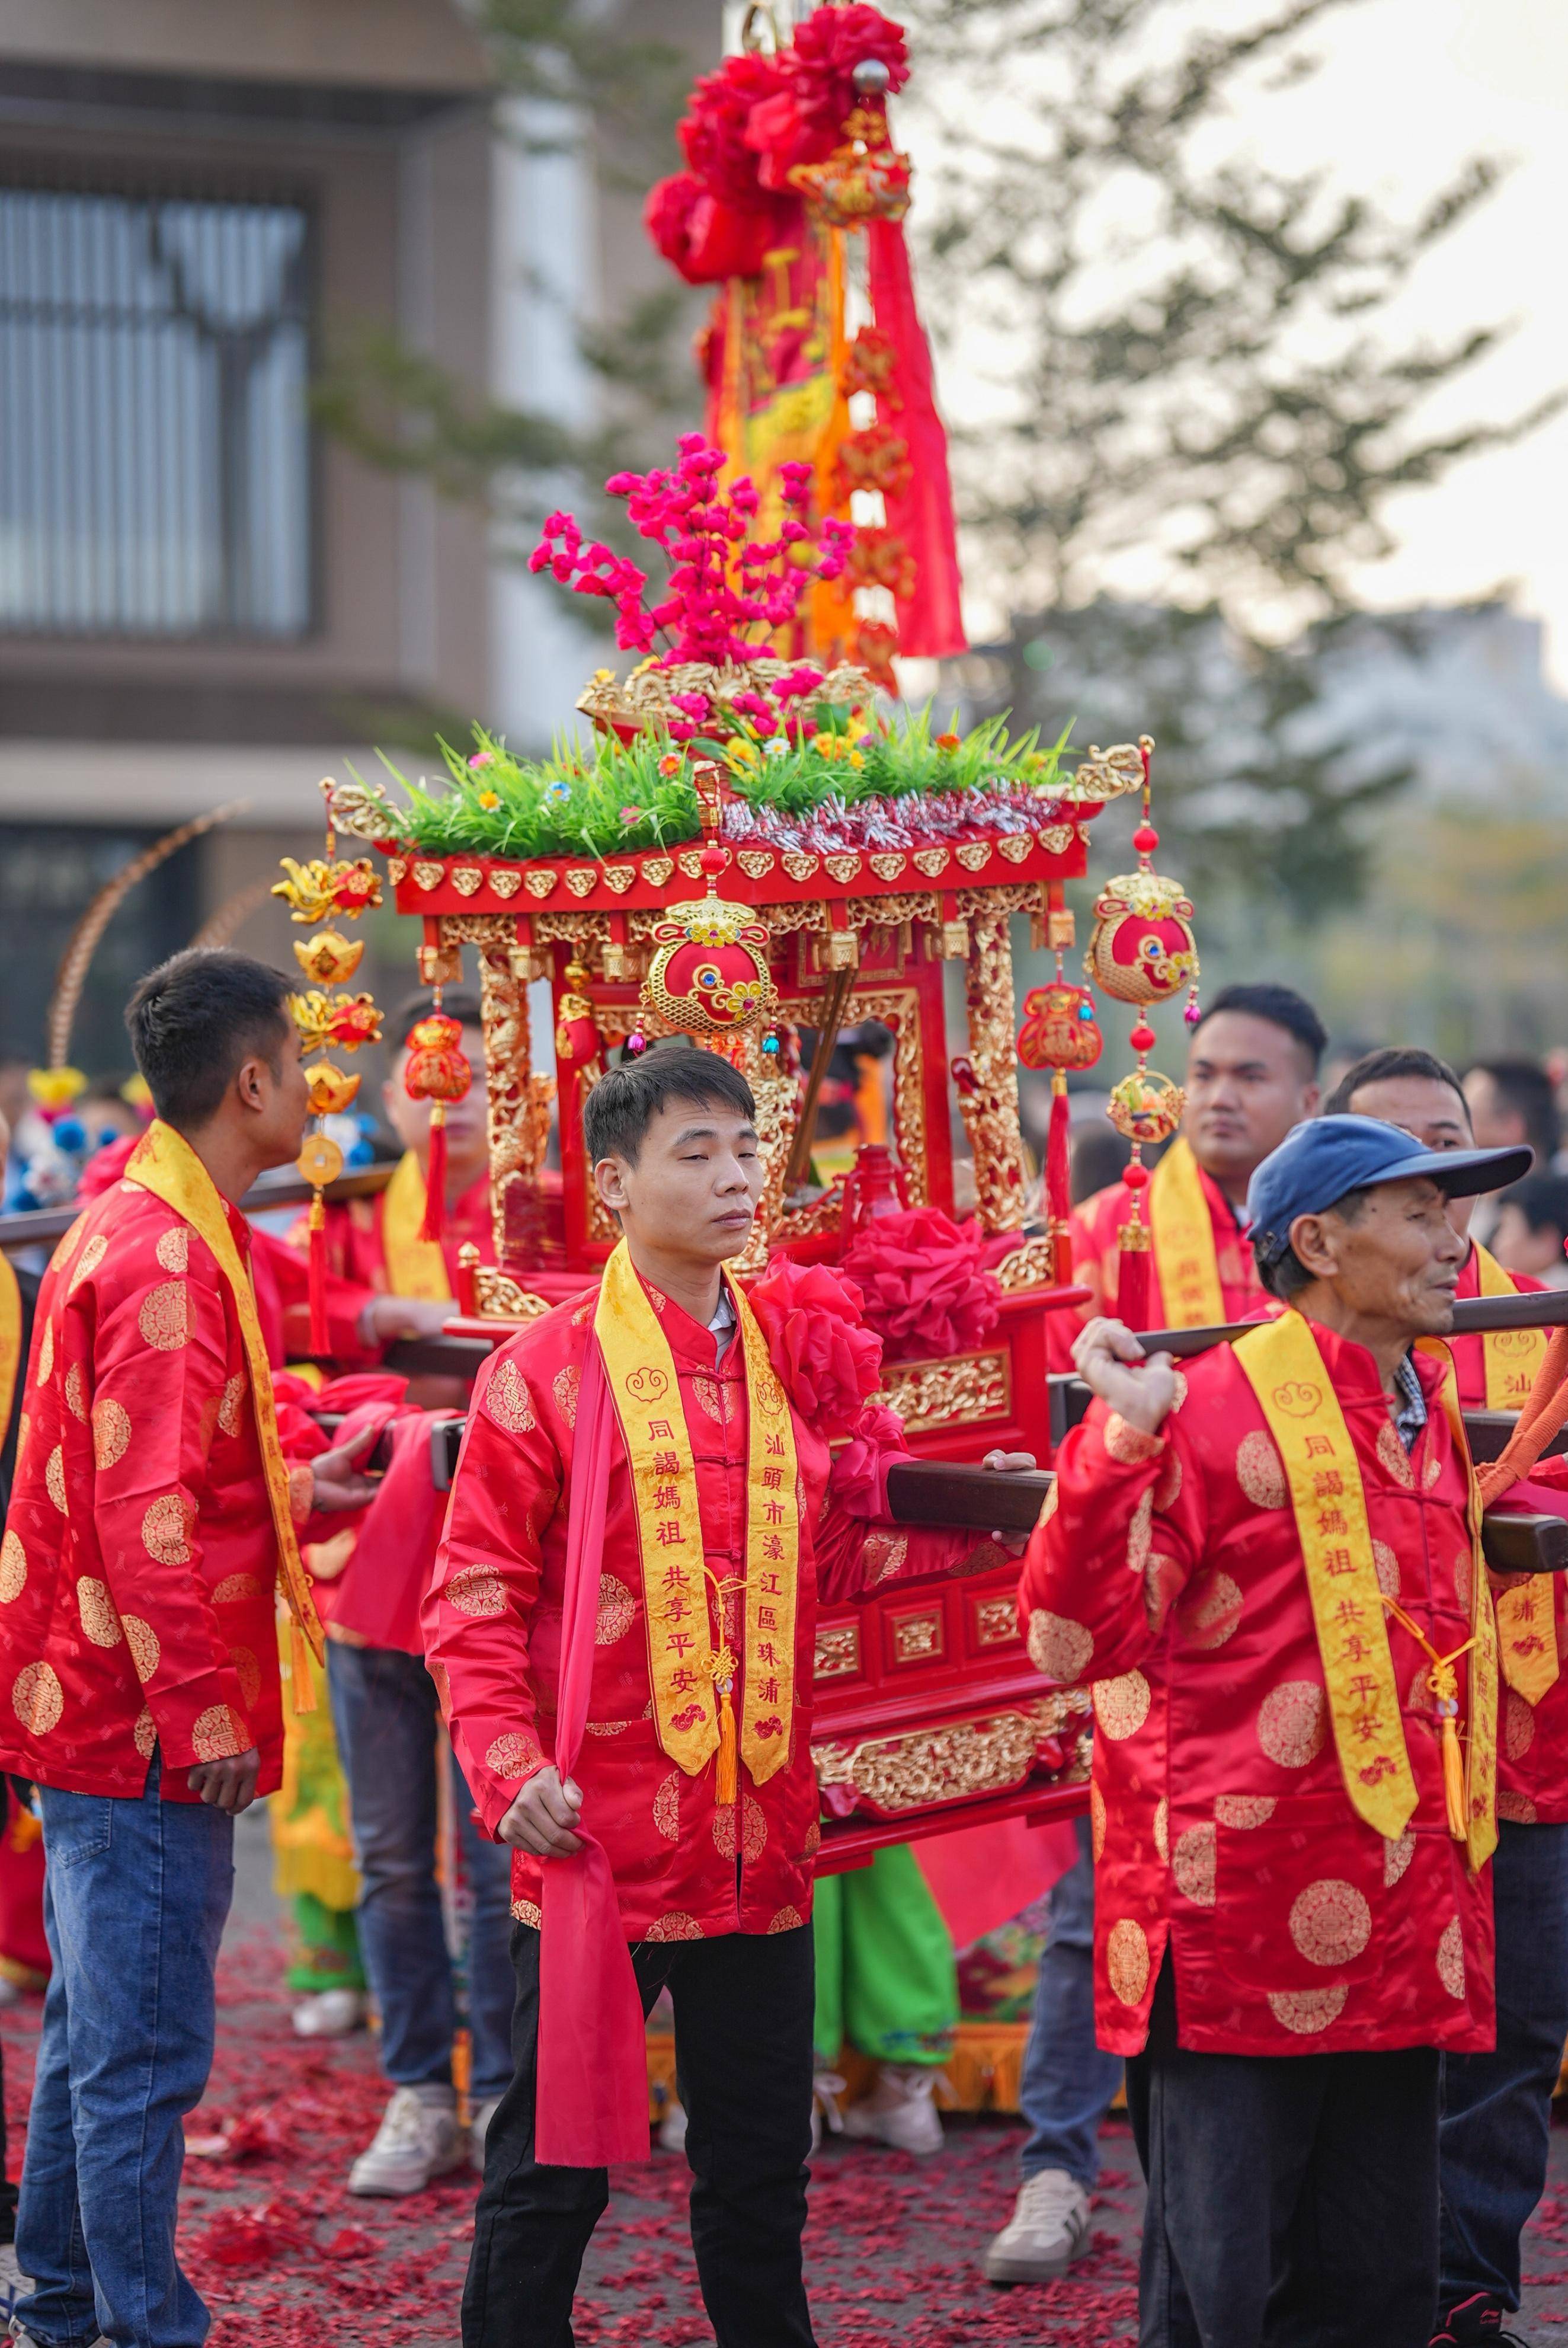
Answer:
(1408, 89)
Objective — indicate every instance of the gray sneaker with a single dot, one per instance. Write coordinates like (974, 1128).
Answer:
(1048, 2229)
(418, 2138)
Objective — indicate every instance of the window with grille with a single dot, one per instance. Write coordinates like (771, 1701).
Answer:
(155, 460)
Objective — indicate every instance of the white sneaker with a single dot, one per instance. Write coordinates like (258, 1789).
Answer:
(478, 2129)
(418, 2138)
(826, 2090)
(672, 2127)
(329, 2013)
(899, 2110)
(1047, 2230)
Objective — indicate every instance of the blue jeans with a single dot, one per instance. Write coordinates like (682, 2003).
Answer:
(133, 1905)
(1067, 2083)
(1497, 2108)
(385, 1714)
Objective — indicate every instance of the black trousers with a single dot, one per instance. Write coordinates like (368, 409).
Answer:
(1292, 2198)
(744, 2005)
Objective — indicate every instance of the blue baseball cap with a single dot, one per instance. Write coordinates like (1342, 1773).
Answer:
(1319, 1162)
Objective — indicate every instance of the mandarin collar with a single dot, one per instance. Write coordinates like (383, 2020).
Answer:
(1355, 1372)
(690, 1340)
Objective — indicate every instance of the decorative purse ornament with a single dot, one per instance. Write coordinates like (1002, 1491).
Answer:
(315, 892)
(1059, 1032)
(437, 1071)
(1143, 952)
(709, 977)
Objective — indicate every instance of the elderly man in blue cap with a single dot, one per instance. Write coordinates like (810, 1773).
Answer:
(1296, 1691)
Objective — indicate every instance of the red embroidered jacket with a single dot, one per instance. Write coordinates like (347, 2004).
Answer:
(1221, 1823)
(493, 1624)
(137, 1569)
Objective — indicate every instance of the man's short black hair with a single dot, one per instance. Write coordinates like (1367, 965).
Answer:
(459, 1002)
(1524, 1087)
(1541, 1200)
(1281, 1270)
(621, 1107)
(1385, 1068)
(1281, 1006)
(195, 1018)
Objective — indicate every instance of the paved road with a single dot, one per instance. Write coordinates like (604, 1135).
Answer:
(286, 2259)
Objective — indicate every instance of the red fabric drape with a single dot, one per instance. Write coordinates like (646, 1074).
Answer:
(593, 2095)
(930, 622)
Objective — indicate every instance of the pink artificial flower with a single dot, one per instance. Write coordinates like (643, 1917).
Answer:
(482, 759)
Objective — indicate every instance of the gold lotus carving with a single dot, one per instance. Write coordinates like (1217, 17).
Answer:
(1056, 838)
(950, 1393)
(972, 853)
(756, 862)
(467, 878)
(540, 883)
(506, 880)
(691, 862)
(582, 878)
(1015, 846)
(841, 868)
(658, 869)
(619, 877)
(798, 865)
(396, 866)
(931, 862)
(887, 864)
(427, 876)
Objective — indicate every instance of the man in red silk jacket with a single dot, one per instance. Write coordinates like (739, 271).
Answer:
(1288, 1866)
(138, 1650)
(1497, 2105)
(713, 1892)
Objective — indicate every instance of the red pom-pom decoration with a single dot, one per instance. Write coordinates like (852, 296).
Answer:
(925, 1291)
(828, 1361)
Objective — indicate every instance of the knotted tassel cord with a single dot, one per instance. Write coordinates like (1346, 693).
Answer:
(1443, 1680)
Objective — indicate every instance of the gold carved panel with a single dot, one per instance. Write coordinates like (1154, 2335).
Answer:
(837, 1651)
(957, 1392)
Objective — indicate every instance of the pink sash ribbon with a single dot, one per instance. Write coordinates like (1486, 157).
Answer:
(590, 2101)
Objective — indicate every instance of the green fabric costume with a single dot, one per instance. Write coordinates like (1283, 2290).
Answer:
(312, 1857)
(886, 1976)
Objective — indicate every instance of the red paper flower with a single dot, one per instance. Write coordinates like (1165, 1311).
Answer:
(828, 1361)
(714, 133)
(925, 1291)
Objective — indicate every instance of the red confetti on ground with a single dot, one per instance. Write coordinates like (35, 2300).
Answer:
(284, 2254)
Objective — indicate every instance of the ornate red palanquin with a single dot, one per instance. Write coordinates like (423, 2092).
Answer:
(927, 1711)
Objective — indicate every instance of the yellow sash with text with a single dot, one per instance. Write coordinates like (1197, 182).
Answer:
(690, 1679)
(1287, 1374)
(1526, 1617)
(1183, 1235)
(164, 1163)
(414, 1267)
(10, 1340)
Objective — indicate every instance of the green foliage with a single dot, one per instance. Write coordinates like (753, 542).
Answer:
(578, 801)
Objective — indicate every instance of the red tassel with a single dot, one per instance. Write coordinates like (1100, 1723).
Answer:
(321, 1335)
(435, 1176)
(1133, 1284)
(1058, 1187)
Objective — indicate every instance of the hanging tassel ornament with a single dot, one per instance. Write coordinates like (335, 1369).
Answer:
(1143, 952)
(1059, 1033)
(1443, 1682)
(727, 1775)
(321, 891)
(437, 1072)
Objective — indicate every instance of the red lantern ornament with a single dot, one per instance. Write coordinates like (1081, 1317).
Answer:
(1143, 952)
(437, 1072)
(1059, 1033)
